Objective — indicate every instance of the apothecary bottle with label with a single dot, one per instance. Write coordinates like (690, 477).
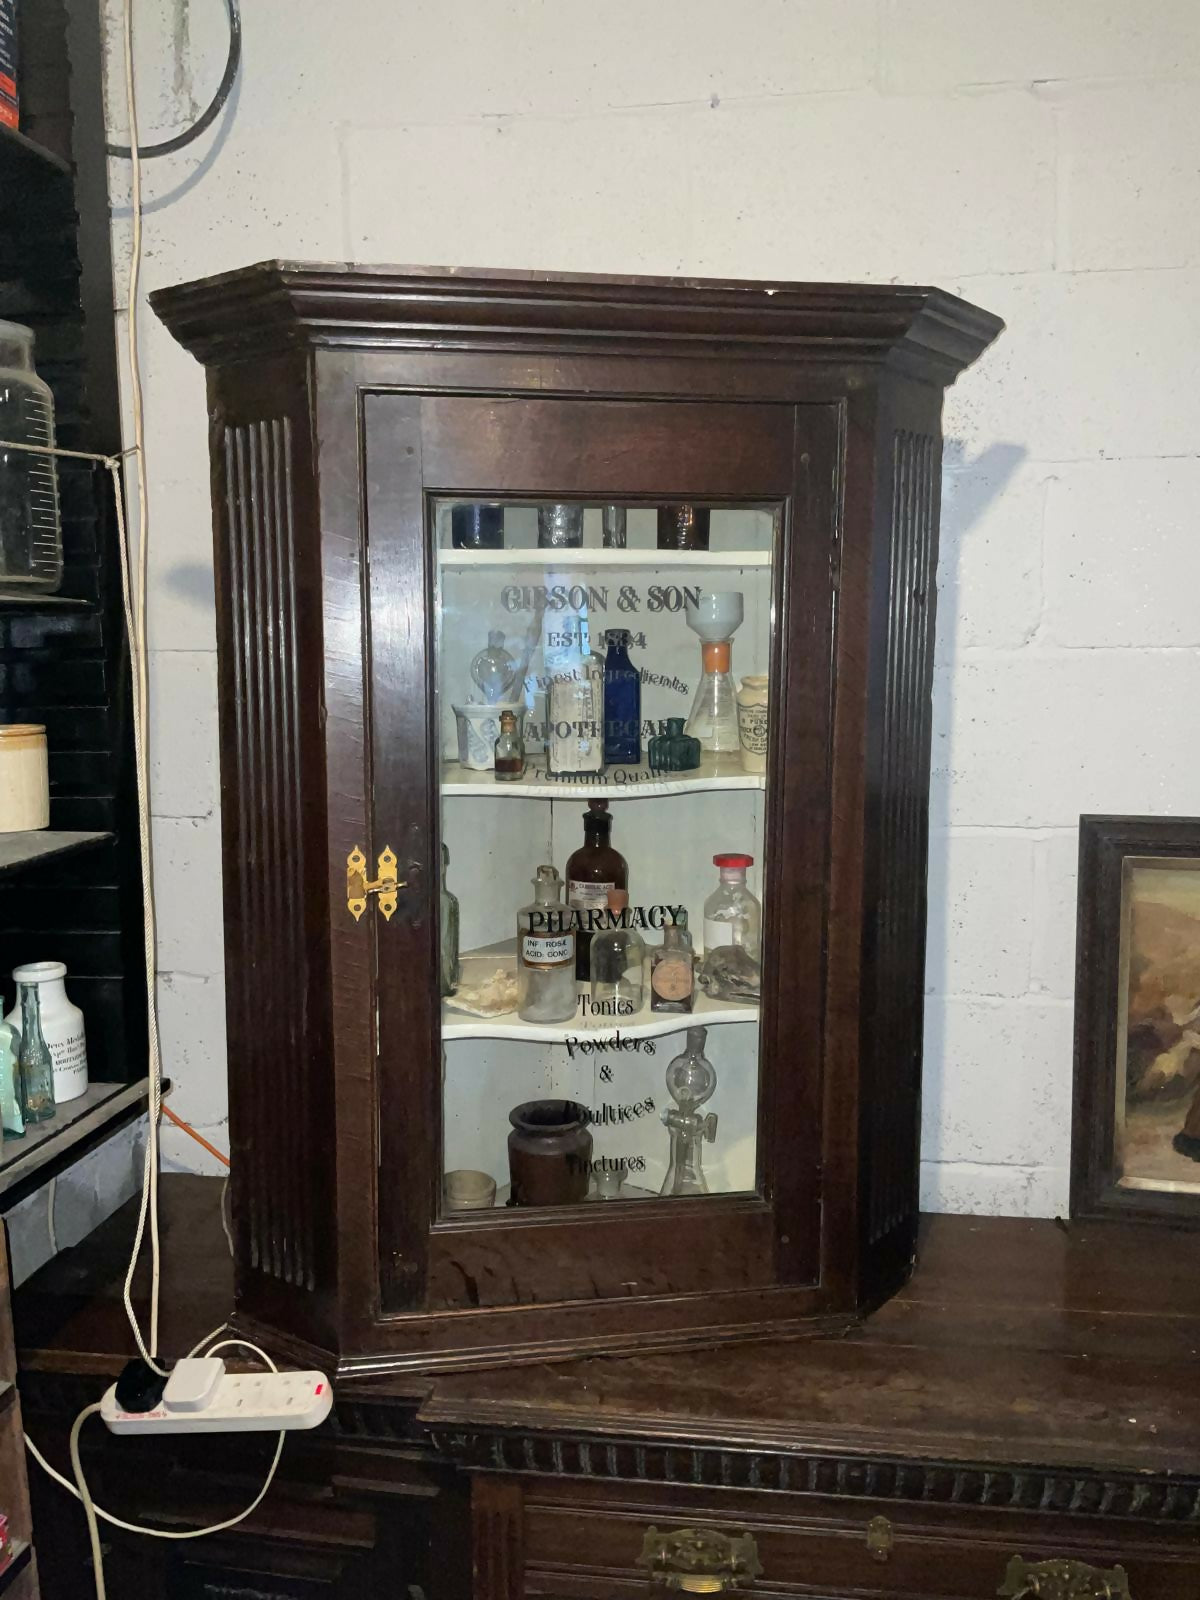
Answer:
(673, 973)
(546, 953)
(592, 871)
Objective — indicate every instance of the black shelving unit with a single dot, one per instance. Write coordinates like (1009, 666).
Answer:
(63, 657)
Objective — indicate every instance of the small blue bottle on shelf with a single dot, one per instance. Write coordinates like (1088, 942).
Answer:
(622, 702)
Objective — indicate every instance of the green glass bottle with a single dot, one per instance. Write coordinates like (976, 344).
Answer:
(12, 1118)
(674, 750)
(35, 1063)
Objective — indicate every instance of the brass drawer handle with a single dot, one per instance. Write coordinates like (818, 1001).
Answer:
(1062, 1580)
(699, 1560)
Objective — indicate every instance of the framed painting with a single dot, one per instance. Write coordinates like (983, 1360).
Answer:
(1135, 1146)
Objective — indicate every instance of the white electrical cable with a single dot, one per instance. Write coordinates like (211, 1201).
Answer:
(134, 593)
(92, 1511)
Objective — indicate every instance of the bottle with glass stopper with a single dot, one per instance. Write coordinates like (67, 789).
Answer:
(691, 1080)
(35, 1062)
(592, 871)
(510, 750)
(493, 670)
(449, 916)
(617, 957)
(546, 953)
(713, 720)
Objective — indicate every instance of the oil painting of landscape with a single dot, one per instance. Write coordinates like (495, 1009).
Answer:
(1158, 1082)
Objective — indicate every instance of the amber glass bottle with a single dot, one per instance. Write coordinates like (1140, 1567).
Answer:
(592, 871)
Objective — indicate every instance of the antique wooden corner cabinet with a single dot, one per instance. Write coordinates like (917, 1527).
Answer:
(406, 463)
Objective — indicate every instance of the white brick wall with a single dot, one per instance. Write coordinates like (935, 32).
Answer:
(1039, 156)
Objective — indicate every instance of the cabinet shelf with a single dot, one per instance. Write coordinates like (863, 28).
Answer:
(27, 1162)
(664, 560)
(643, 1024)
(619, 783)
(17, 849)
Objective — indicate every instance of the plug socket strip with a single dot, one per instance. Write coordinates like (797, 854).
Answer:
(251, 1402)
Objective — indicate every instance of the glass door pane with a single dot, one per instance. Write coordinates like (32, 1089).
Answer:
(603, 709)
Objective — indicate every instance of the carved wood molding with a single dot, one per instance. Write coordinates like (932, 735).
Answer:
(1075, 1492)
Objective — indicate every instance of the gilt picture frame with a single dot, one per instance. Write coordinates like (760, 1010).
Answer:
(1135, 1146)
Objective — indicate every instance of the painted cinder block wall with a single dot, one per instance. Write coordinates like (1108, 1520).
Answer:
(1038, 156)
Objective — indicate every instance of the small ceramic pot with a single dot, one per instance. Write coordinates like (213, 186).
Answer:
(24, 781)
(753, 722)
(62, 1026)
(468, 1190)
(549, 1153)
(478, 730)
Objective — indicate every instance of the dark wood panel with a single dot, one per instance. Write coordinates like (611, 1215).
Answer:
(497, 446)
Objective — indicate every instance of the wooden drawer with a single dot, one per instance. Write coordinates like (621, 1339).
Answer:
(588, 1551)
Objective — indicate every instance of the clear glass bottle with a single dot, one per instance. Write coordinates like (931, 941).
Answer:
(732, 914)
(12, 1117)
(560, 527)
(546, 953)
(622, 702)
(31, 557)
(613, 524)
(592, 871)
(449, 914)
(691, 1080)
(510, 750)
(36, 1062)
(493, 670)
(715, 617)
(618, 956)
(672, 973)
(575, 706)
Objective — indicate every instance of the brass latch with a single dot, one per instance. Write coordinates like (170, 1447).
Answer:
(385, 885)
(699, 1560)
(1062, 1580)
(879, 1538)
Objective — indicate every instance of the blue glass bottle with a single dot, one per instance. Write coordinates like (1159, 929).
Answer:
(622, 702)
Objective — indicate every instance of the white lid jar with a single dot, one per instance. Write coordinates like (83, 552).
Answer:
(62, 1026)
(24, 777)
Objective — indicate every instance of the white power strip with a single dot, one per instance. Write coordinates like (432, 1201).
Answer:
(201, 1397)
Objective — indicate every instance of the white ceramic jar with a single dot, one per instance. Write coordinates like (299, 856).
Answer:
(753, 723)
(24, 779)
(62, 1027)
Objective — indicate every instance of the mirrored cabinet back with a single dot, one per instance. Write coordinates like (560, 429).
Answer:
(575, 642)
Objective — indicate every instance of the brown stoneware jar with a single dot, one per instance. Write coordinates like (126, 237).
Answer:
(549, 1153)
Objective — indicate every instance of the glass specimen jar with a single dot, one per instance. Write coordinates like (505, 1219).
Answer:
(477, 527)
(683, 527)
(732, 914)
(691, 1080)
(510, 750)
(560, 527)
(31, 556)
(592, 871)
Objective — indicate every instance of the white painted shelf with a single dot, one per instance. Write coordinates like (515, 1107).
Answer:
(618, 783)
(644, 1024)
(666, 560)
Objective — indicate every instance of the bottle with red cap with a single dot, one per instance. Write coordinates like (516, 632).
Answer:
(732, 915)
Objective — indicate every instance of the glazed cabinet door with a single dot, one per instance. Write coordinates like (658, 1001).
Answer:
(598, 710)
